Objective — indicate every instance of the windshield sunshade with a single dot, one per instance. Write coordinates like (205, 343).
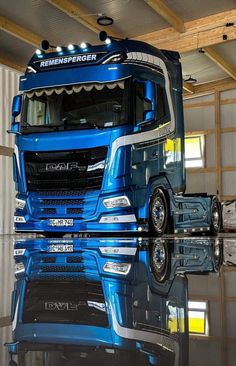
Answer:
(80, 106)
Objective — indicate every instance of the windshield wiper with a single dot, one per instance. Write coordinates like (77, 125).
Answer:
(53, 127)
(84, 123)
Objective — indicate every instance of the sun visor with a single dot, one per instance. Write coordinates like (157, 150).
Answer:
(75, 89)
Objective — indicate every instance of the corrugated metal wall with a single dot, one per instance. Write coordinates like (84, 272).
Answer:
(9, 80)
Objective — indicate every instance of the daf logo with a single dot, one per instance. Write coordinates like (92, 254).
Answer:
(62, 306)
(65, 166)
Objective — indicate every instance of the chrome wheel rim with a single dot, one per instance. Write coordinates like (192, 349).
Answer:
(159, 258)
(215, 217)
(217, 251)
(158, 213)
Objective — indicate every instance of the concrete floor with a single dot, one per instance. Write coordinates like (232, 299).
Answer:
(7, 282)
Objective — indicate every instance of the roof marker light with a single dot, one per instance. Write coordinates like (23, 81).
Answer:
(38, 52)
(83, 45)
(108, 40)
(59, 48)
(70, 47)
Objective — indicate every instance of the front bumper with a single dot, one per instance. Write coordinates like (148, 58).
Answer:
(31, 225)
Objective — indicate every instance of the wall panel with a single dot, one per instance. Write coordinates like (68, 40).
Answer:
(199, 118)
(228, 113)
(201, 182)
(229, 183)
(228, 141)
(7, 196)
(9, 80)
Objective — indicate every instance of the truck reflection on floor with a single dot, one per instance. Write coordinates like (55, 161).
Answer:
(99, 356)
(105, 301)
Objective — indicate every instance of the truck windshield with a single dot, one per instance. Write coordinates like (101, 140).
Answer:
(76, 107)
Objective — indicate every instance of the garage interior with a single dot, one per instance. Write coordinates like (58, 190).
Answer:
(204, 33)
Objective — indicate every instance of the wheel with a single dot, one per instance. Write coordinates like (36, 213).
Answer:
(160, 260)
(217, 248)
(215, 217)
(158, 213)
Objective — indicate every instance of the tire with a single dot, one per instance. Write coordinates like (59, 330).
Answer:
(215, 217)
(160, 260)
(158, 216)
(217, 249)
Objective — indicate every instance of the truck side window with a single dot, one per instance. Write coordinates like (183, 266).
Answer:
(160, 112)
(139, 102)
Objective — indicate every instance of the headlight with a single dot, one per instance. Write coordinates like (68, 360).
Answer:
(116, 267)
(20, 204)
(19, 268)
(121, 201)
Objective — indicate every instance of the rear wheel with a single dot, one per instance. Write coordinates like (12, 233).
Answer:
(217, 248)
(158, 213)
(160, 260)
(215, 217)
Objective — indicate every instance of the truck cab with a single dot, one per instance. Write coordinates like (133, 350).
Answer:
(100, 144)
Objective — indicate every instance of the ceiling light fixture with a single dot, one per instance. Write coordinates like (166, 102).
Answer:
(190, 80)
(104, 20)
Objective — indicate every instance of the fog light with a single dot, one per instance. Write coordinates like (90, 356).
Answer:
(19, 219)
(19, 268)
(20, 204)
(121, 201)
(115, 267)
(18, 252)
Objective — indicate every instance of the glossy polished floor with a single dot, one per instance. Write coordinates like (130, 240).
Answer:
(141, 287)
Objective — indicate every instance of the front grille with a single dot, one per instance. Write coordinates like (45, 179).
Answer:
(74, 211)
(62, 202)
(65, 170)
(61, 193)
(49, 211)
(61, 268)
(63, 265)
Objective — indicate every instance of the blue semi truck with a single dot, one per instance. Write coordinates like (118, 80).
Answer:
(100, 143)
(105, 301)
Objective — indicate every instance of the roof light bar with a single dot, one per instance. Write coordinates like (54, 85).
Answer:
(71, 47)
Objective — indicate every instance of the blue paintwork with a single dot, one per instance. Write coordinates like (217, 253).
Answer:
(135, 172)
(120, 292)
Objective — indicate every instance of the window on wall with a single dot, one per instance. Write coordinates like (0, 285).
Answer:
(198, 317)
(194, 151)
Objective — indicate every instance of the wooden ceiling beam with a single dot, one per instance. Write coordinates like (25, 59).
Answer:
(188, 88)
(12, 65)
(211, 87)
(80, 14)
(199, 33)
(220, 61)
(19, 32)
(166, 13)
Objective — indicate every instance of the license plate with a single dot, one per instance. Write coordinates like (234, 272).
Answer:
(60, 248)
(61, 222)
